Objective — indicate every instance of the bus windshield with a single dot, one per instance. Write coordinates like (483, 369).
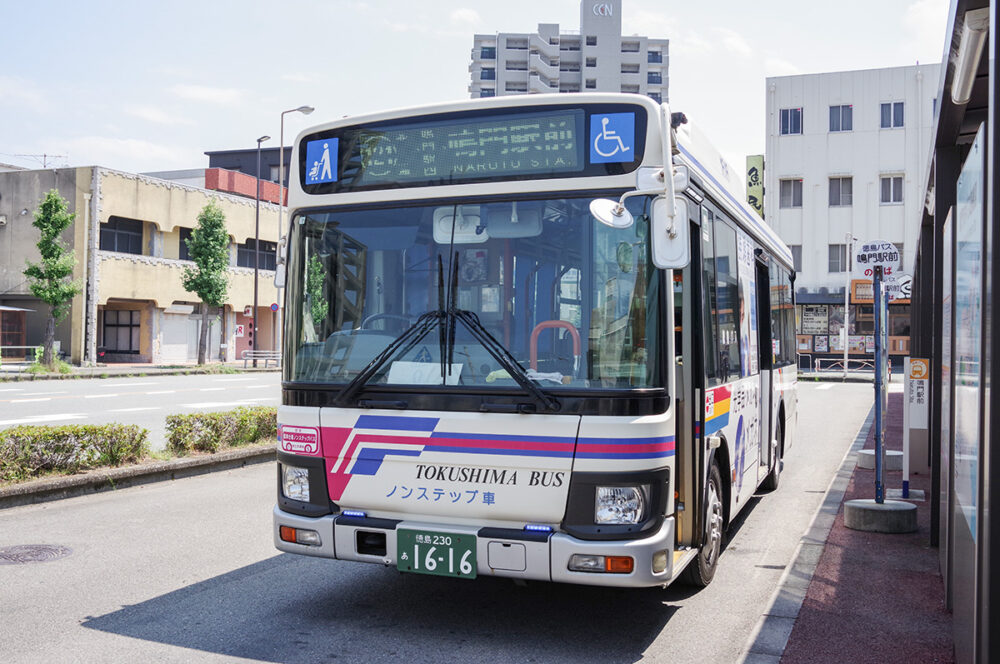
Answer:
(477, 294)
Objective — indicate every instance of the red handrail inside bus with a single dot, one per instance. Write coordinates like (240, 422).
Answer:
(547, 324)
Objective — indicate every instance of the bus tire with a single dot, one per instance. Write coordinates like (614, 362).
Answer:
(701, 570)
(770, 482)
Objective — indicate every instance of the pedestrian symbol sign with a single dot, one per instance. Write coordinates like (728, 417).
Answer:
(321, 161)
(612, 137)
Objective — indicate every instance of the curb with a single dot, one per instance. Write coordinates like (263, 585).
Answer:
(110, 479)
(22, 377)
(770, 635)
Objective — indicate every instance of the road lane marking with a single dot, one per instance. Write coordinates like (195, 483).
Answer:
(163, 392)
(27, 400)
(35, 394)
(231, 380)
(258, 387)
(133, 410)
(210, 389)
(99, 396)
(12, 389)
(38, 419)
(825, 386)
(227, 404)
(125, 384)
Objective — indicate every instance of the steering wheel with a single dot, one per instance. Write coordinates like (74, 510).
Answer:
(404, 320)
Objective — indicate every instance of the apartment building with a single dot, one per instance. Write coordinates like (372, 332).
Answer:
(595, 58)
(128, 237)
(846, 157)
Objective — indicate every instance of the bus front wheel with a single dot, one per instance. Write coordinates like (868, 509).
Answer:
(701, 570)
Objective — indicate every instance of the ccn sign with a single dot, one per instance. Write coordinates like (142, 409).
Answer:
(602, 9)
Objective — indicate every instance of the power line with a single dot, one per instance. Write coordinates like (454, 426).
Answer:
(43, 158)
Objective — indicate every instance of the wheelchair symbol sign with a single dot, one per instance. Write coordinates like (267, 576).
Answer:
(612, 138)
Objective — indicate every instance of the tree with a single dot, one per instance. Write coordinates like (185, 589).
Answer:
(208, 247)
(50, 280)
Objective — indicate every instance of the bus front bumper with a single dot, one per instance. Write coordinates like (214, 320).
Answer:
(499, 552)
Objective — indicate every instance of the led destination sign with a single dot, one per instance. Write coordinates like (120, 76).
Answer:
(468, 148)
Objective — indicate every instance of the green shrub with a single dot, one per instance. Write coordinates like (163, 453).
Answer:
(210, 432)
(31, 451)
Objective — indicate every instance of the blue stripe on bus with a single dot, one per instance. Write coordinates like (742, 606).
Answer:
(494, 436)
(508, 452)
(396, 422)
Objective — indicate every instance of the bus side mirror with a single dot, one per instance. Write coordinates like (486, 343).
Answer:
(279, 268)
(670, 236)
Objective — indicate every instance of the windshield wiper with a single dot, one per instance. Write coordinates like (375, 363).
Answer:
(410, 337)
(507, 361)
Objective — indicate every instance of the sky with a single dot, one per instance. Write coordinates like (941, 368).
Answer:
(143, 86)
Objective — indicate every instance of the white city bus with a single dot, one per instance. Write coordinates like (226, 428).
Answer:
(515, 348)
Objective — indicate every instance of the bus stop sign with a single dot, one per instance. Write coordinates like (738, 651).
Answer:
(877, 253)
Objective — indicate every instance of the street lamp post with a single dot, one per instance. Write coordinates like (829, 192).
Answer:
(305, 110)
(256, 254)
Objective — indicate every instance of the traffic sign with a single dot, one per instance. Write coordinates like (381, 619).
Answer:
(877, 253)
(274, 306)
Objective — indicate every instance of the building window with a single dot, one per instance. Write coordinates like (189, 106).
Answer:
(630, 47)
(796, 256)
(591, 62)
(891, 189)
(654, 57)
(488, 74)
(655, 96)
(899, 248)
(628, 68)
(488, 53)
(840, 191)
(654, 77)
(182, 249)
(122, 235)
(791, 121)
(591, 40)
(511, 86)
(517, 44)
(274, 173)
(841, 118)
(630, 88)
(268, 255)
(591, 84)
(487, 92)
(521, 65)
(121, 331)
(790, 194)
(569, 44)
(892, 115)
(837, 258)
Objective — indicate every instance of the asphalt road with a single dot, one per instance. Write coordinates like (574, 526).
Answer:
(144, 400)
(185, 571)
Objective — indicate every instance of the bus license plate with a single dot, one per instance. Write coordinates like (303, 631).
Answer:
(440, 554)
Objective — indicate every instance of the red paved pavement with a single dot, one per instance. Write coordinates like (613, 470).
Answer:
(875, 597)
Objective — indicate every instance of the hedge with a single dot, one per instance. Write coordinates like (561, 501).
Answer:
(210, 432)
(31, 451)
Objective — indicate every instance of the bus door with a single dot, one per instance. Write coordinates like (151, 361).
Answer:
(747, 404)
(766, 352)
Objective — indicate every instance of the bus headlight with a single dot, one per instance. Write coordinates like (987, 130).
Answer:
(620, 504)
(295, 483)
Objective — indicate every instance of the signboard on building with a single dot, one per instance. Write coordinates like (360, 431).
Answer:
(861, 290)
(241, 331)
(755, 183)
(815, 319)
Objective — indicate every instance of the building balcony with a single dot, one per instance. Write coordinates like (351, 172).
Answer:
(148, 278)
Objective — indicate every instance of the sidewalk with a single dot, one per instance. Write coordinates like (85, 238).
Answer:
(853, 596)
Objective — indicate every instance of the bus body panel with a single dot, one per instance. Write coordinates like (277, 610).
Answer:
(474, 467)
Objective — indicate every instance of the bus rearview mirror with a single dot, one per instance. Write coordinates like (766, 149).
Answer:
(670, 237)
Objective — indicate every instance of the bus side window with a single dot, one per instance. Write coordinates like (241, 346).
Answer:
(710, 334)
(727, 300)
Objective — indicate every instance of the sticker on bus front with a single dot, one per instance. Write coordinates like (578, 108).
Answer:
(321, 161)
(612, 137)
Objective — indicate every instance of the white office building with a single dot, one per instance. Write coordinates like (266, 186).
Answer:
(846, 157)
(597, 57)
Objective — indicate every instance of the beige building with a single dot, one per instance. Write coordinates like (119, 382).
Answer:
(128, 239)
